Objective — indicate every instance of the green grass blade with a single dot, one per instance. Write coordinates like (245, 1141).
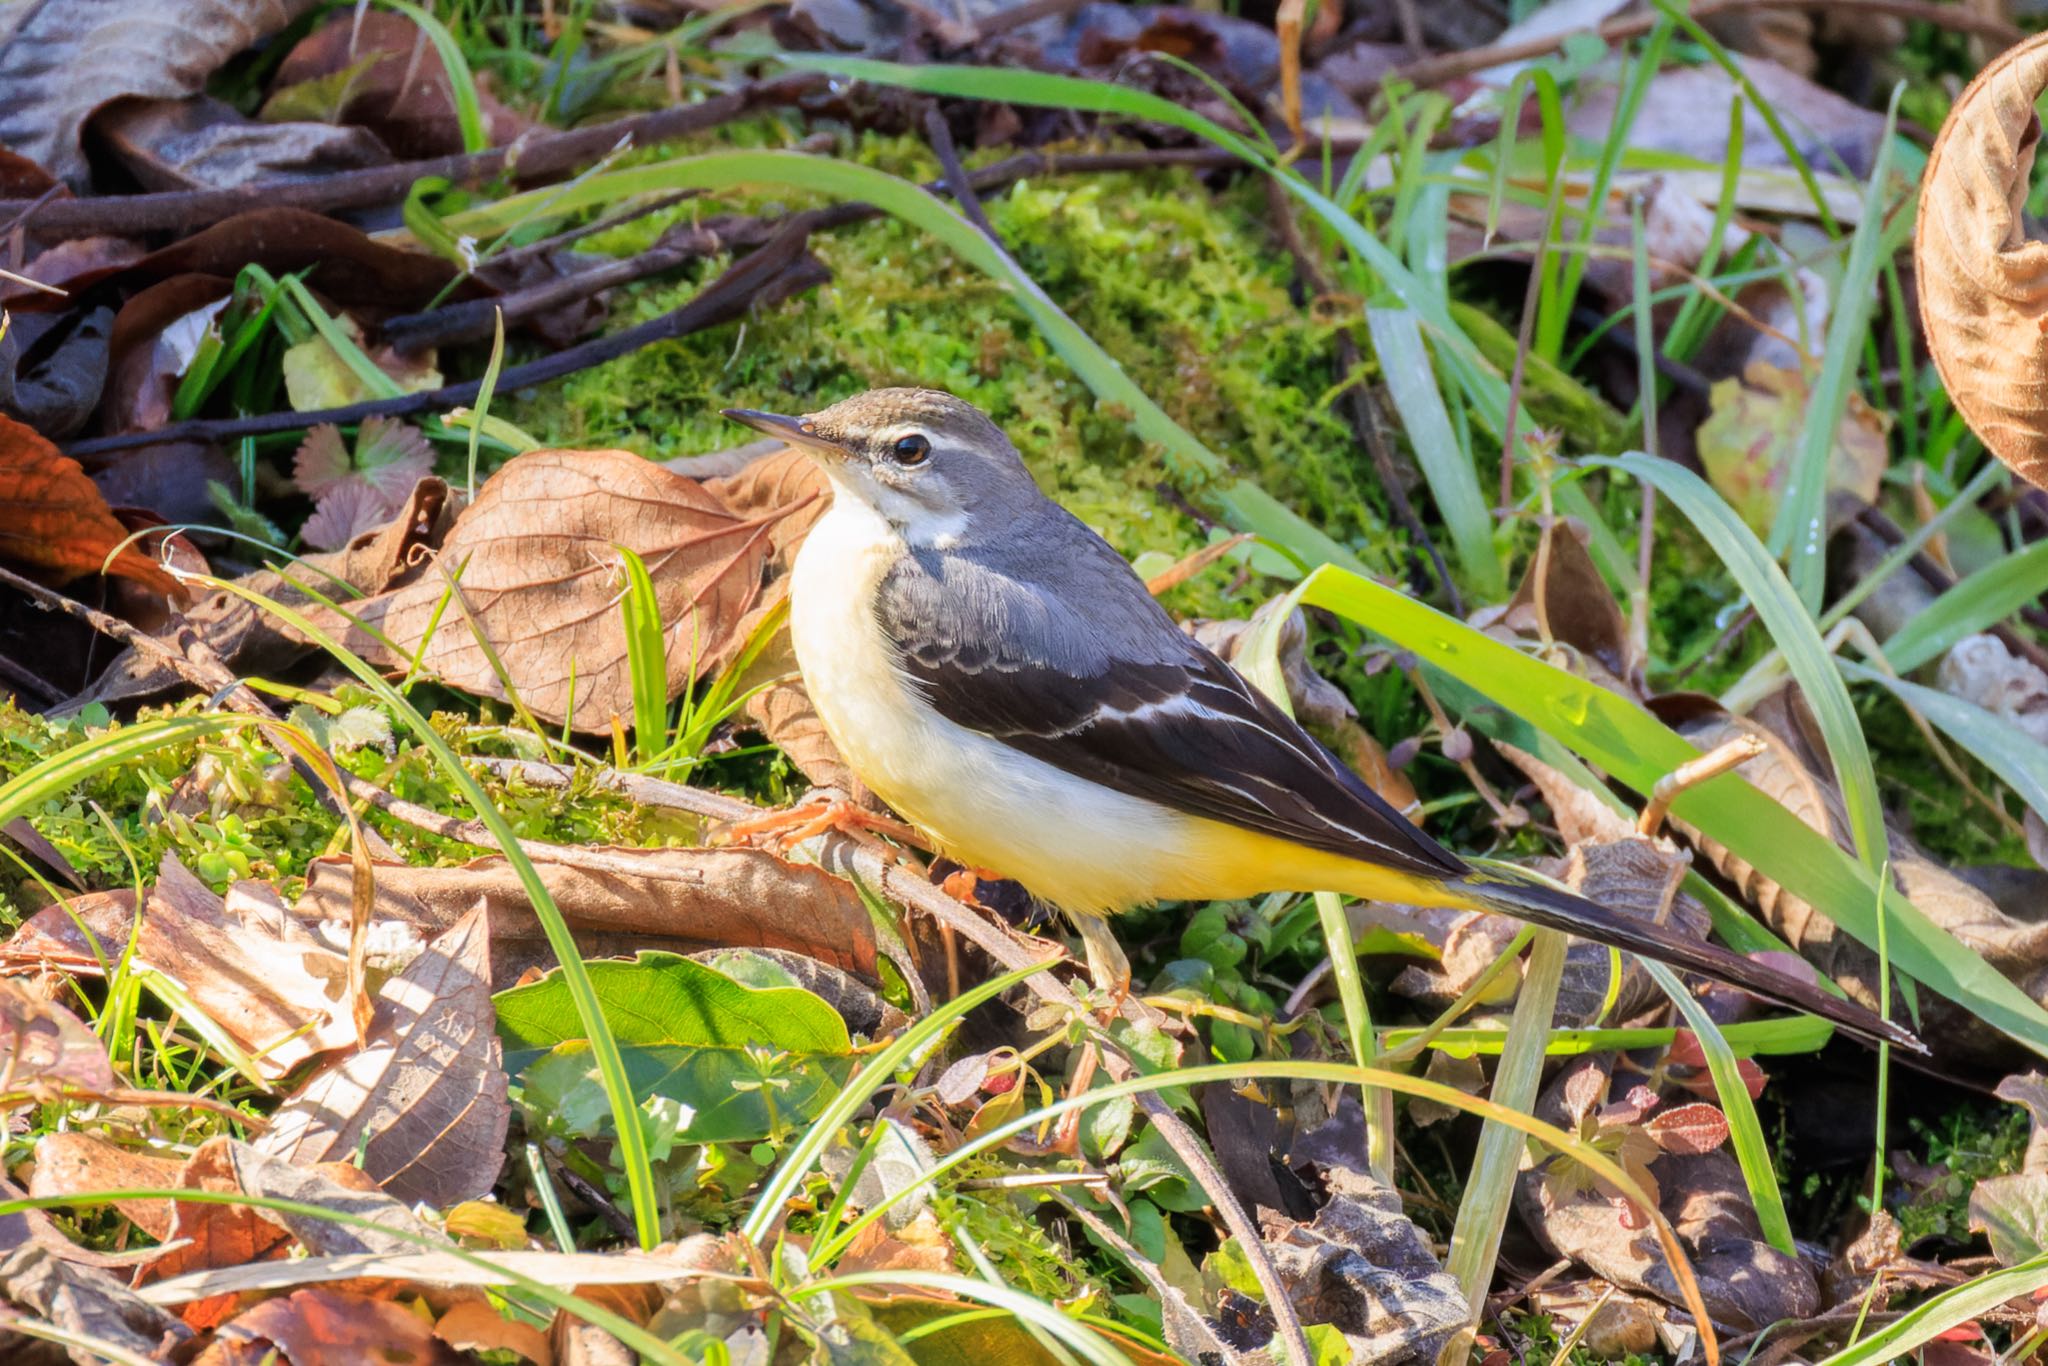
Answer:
(1799, 532)
(1028, 1309)
(2015, 756)
(1922, 1324)
(1447, 466)
(1791, 626)
(1988, 596)
(60, 772)
(469, 114)
(1637, 749)
(1745, 1131)
(1749, 1039)
(1490, 1188)
(646, 657)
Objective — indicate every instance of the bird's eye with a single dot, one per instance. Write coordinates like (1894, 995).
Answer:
(910, 450)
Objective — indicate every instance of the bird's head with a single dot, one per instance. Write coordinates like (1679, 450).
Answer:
(932, 466)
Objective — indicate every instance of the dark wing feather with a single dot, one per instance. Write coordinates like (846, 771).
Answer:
(1110, 690)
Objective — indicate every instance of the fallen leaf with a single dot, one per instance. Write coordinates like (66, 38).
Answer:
(203, 1236)
(421, 1106)
(1981, 278)
(712, 898)
(785, 481)
(82, 1300)
(402, 94)
(53, 368)
(327, 1328)
(43, 1045)
(1565, 605)
(250, 639)
(540, 577)
(1750, 439)
(57, 522)
(473, 1326)
(1689, 1129)
(78, 1164)
(340, 262)
(62, 62)
(201, 143)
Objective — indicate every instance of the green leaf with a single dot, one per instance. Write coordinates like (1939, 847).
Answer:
(1998, 744)
(749, 1063)
(1990, 595)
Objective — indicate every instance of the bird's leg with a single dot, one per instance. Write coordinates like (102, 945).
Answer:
(1107, 966)
(793, 825)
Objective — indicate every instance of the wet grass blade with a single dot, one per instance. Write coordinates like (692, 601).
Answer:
(2015, 756)
(1985, 598)
(646, 658)
(1637, 749)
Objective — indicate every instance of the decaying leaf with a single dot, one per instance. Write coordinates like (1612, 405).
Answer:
(65, 61)
(622, 899)
(1983, 283)
(83, 1300)
(2012, 1210)
(318, 1326)
(77, 1163)
(421, 1106)
(253, 970)
(1743, 1280)
(202, 143)
(58, 522)
(1564, 604)
(784, 481)
(534, 561)
(1750, 439)
(43, 1047)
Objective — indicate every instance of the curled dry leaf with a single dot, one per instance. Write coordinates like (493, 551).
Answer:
(421, 1107)
(83, 1300)
(540, 579)
(1983, 284)
(202, 143)
(318, 1326)
(624, 899)
(58, 522)
(44, 1047)
(64, 61)
(248, 966)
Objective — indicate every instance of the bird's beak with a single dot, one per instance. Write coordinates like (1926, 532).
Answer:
(796, 431)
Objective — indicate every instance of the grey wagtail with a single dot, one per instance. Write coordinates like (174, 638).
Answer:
(999, 675)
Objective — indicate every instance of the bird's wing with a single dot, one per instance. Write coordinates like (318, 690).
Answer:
(1101, 684)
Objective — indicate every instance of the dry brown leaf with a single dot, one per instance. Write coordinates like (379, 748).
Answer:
(473, 1326)
(58, 522)
(204, 1236)
(665, 898)
(536, 558)
(45, 1046)
(786, 480)
(1563, 602)
(83, 1300)
(65, 61)
(1983, 283)
(327, 1328)
(76, 1163)
(421, 1106)
(252, 968)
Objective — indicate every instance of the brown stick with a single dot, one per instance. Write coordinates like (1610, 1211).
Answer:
(530, 158)
(776, 270)
(1450, 65)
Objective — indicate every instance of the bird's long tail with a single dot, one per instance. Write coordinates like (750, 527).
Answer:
(1557, 910)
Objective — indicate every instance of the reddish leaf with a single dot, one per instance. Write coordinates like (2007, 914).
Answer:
(1690, 1129)
(57, 521)
(320, 1327)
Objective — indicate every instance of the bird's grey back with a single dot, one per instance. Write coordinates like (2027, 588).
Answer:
(1036, 589)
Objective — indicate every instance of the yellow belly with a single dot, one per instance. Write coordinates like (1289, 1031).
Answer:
(1076, 844)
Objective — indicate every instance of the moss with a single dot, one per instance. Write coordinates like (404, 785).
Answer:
(1183, 288)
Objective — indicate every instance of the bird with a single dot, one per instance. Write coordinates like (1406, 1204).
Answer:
(1000, 676)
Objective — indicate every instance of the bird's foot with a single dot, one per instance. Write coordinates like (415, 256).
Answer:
(962, 884)
(792, 826)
